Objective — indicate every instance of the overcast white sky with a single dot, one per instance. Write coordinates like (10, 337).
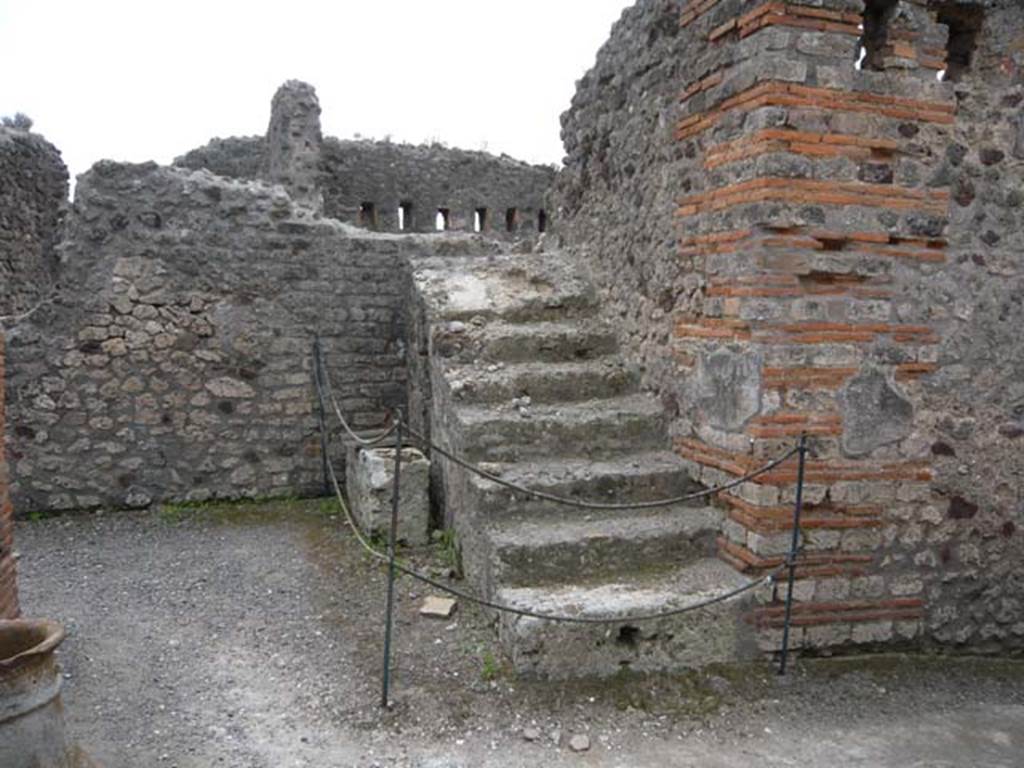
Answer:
(144, 80)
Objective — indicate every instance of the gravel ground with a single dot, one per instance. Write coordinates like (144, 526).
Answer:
(251, 636)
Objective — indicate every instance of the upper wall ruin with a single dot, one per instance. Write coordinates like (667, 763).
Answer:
(388, 187)
(173, 359)
(806, 219)
(33, 196)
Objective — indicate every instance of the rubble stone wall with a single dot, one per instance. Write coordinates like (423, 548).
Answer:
(508, 194)
(33, 195)
(973, 405)
(367, 183)
(795, 244)
(294, 143)
(236, 157)
(8, 577)
(176, 362)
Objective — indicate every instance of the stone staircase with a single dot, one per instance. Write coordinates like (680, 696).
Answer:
(525, 379)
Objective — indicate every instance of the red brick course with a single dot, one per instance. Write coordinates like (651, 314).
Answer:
(815, 302)
(780, 94)
(850, 611)
(815, 192)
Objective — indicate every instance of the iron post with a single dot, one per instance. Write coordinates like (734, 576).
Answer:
(392, 539)
(318, 377)
(793, 550)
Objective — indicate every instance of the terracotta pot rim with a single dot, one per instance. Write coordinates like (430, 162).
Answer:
(53, 635)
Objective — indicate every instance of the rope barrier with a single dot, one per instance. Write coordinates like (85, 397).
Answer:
(17, 318)
(542, 495)
(321, 381)
(581, 504)
(503, 608)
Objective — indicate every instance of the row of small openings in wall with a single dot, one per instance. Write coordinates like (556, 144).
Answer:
(368, 216)
(964, 23)
(482, 220)
(443, 218)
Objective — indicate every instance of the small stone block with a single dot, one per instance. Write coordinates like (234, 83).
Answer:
(579, 743)
(438, 607)
(370, 483)
(531, 734)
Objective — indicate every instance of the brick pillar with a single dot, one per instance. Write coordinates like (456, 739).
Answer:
(813, 208)
(8, 585)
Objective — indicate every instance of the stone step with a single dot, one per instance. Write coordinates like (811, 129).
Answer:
(592, 428)
(588, 548)
(477, 288)
(541, 382)
(634, 477)
(546, 649)
(547, 342)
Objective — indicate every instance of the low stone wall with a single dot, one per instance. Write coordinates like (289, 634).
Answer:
(8, 577)
(176, 362)
(33, 195)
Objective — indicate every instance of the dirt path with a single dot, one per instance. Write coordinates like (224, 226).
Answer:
(250, 637)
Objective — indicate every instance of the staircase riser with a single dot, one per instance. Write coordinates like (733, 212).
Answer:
(521, 349)
(552, 388)
(502, 502)
(582, 561)
(547, 650)
(505, 441)
(537, 310)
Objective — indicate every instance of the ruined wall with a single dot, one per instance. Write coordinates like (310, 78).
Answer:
(973, 405)
(33, 193)
(365, 183)
(8, 577)
(176, 363)
(844, 262)
(425, 179)
(237, 157)
(294, 142)
(617, 194)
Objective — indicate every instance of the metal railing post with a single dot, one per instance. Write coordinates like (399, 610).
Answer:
(793, 550)
(321, 413)
(392, 539)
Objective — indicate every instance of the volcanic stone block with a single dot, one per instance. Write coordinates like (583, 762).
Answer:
(728, 387)
(370, 480)
(874, 413)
